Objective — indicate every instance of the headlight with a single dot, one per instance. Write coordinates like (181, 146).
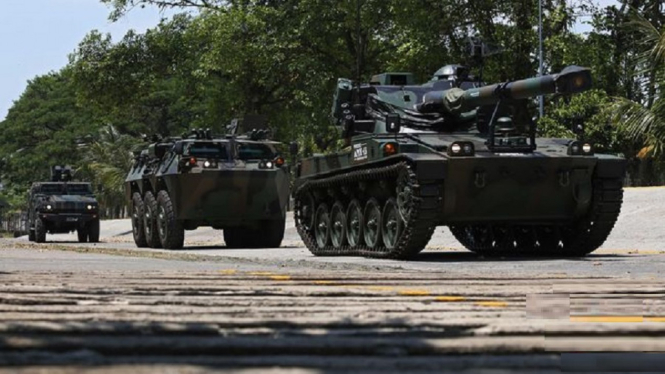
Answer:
(461, 149)
(49, 207)
(90, 207)
(580, 149)
(206, 164)
(269, 164)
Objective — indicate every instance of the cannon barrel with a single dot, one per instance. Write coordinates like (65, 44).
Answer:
(572, 79)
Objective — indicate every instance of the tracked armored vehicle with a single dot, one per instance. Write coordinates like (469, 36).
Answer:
(60, 206)
(238, 183)
(459, 153)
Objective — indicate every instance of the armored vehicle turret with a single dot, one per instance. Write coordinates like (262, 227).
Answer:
(238, 183)
(455, 152)
(61, 206)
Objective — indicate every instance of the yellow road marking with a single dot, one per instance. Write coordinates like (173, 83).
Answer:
(280, 277)
(380, 288)
(324, 282)
(449, 299)
(616, 319)
(228, 272)
(492, 304)
(414, 293)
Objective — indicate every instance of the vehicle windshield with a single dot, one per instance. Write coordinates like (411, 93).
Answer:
(79, 189)
(255, 151)
(206, 150)
(65, 189)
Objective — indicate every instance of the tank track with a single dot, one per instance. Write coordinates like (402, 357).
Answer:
(574, 240)
(418, 225)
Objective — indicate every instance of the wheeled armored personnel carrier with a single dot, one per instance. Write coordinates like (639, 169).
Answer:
(459, 153)
(61, 206)
(237, 183)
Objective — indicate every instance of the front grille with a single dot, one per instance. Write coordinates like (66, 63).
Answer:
(70, 207)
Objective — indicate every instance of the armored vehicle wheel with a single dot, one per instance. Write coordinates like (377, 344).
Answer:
(270, 233)
(82, 233)
(31, 235)
(234, 237)
(150, 221)
(322, 226)
(40, 231)
(372, 223)
(354, 224)
(93, 231)
(392, 224)
(138, 229)
(338, 225)
(171, 231)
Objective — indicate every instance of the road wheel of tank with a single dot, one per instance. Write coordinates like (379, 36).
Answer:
(138, 229)
(322, 226)
(338, 225)
(31, 235)
(372, 223)
(82, 234)
(150, 221)
(93, 231)
(305, 209)
(404, 195)
(234, 237)
(354, 224)
(40, 230)
(548, 240)
(392, 224)
(525, 239)
(476, 238)
(171, 232)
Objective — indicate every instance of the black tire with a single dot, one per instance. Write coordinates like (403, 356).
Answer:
(170, 230)
(82, 233)
(93, 231)
(31, 235)
(270, 234)
(138, 230)
(234, 237)
(150, 221)
(40, 231)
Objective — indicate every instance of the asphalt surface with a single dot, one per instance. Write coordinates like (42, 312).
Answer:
(110, 307)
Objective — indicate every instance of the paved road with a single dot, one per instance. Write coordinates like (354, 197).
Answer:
(113, 308)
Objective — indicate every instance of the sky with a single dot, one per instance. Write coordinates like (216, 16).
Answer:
(36, 36)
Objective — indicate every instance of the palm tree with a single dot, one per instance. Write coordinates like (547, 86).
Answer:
(108, 158)
(645, 121)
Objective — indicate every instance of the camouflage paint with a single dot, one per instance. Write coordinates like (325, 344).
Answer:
(233, 193)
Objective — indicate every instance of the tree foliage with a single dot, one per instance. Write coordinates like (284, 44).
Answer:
(223, 59)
